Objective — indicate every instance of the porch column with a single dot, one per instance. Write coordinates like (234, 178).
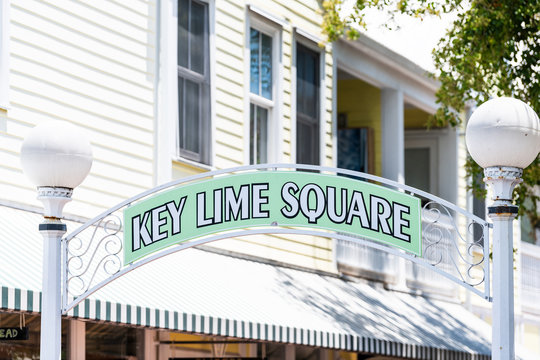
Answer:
(290, 352)
(164, 350)
(146, 339)
(76, 347)
(393, 135)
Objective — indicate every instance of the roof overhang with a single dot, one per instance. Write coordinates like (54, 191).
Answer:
(379, 66)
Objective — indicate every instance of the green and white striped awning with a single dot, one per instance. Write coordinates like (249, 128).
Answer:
(207, 293)
(92, 309)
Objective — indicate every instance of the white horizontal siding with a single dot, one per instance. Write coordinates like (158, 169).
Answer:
(55, 107)
(81, 87)
(230, 72)
(81, 71)
(133, 19)
(49, 90)
(230, 138)
(130, 56)
(77, 22)
(91, 63)
(25, 33)
(140, 7)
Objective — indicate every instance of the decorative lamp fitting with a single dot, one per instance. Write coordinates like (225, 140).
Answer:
(503, 132)
(56, 156)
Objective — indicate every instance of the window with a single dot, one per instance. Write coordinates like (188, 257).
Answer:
(261, 88)
(260, 64)
(355, 147)
(307, 105)
(258, 125)
(193, 81)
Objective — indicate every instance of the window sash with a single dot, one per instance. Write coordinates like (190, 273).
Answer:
(307, 106)
(261, 63)
(193, 81)
(307, 140)
(307, 81)
(258, 136)
(193, 36)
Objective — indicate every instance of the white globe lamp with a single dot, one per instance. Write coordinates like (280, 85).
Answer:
(503, 137)
(56, 156)
(503, 132)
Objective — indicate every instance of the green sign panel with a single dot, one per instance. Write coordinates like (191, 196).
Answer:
(264, 198)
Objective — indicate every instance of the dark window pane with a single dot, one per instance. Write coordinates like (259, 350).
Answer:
(258, 135)
(307, 142)
(307, 70)
(262, 135)
(307, 105)
(183, 33)
(181, 113)
(198, 36)
(303, 134)
(192, 121)
(266, 66)
(353, 149)
(254, 61)
(300, 82)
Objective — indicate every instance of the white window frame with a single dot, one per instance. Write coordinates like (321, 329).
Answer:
(167, 117)
(4, 54)
(271, 26)
(205, 156)
(311, 42)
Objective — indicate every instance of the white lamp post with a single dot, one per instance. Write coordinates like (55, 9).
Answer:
(56, 156)
(503, 137)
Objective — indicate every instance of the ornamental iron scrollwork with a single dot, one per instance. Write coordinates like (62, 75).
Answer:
(445, 247)
(91, 258)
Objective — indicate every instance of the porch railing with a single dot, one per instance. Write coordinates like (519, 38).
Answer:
(530, 277)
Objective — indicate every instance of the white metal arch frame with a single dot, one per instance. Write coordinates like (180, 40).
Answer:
(92, 253)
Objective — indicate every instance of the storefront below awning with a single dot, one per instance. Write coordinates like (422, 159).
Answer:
(207, 293)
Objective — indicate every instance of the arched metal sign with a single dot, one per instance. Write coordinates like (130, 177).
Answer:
(277, 198)
(272, 198)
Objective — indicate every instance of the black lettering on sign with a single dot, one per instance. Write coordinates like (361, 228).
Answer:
(158, 218)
